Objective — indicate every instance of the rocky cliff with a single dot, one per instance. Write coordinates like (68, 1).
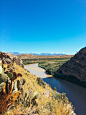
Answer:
(75, 67)
(10, 58)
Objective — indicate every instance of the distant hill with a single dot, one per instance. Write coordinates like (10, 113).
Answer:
(16, 53)
(47, 54)
(30, 56)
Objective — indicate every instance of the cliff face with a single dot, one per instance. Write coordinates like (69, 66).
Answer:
(10, 58)
(76, 66)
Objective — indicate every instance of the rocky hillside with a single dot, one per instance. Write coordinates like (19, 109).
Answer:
(10, 58)
(22, 93)
(75, 67)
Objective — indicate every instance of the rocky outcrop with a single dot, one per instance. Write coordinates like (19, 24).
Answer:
(10, 58)
(75, 67)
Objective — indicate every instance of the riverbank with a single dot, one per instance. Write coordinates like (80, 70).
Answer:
(75, 93)
(52, 67)
(71, 79)
(35, 68)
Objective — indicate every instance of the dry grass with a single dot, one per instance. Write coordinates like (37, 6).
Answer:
(46, 104)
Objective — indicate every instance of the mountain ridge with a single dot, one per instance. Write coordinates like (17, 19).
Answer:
(39, 54)
(75, 68)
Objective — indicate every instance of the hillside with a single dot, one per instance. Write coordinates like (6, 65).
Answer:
(75, 68)
(23, 93)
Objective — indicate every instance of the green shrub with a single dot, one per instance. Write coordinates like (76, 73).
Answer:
(41, 82)
(56, 95)
(55, 88)
(10, 75)
(7, 66)
(22, 81)
(3, 77)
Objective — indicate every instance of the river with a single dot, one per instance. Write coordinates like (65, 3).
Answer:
(76, 94)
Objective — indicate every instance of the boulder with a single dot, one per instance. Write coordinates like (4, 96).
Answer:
(10, 59)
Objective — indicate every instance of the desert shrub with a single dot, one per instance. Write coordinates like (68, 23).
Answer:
(55, 88)
(3, 77)
(41, 82)
(56, 95)
(10, 75)
(7, 66)
(22, 81)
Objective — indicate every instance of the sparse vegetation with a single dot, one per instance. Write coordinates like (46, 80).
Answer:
(43, 60)
(49, 64)
(36, 97)
(41, 82)
(53, 66)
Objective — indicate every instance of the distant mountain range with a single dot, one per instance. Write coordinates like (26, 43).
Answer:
(16, 53)
(41, 54)
(47, 54)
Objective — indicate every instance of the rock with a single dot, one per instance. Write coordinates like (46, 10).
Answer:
(46, 93)
(10, 59)
(35, 95)
(76, 66)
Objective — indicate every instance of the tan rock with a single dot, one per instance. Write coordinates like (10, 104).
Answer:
(10, 59)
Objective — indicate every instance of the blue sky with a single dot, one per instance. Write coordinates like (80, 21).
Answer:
(42, 26)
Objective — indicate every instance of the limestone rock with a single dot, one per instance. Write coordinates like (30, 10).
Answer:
(10, 58)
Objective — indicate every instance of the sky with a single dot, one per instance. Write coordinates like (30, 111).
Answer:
(42, 26)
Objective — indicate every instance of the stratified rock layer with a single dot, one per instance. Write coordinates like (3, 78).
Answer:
(10, 58)
(76, 66)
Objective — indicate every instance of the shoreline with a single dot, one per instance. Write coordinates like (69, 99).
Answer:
(71, 79)
(39, 69)
(43, 70)
(56, 75)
